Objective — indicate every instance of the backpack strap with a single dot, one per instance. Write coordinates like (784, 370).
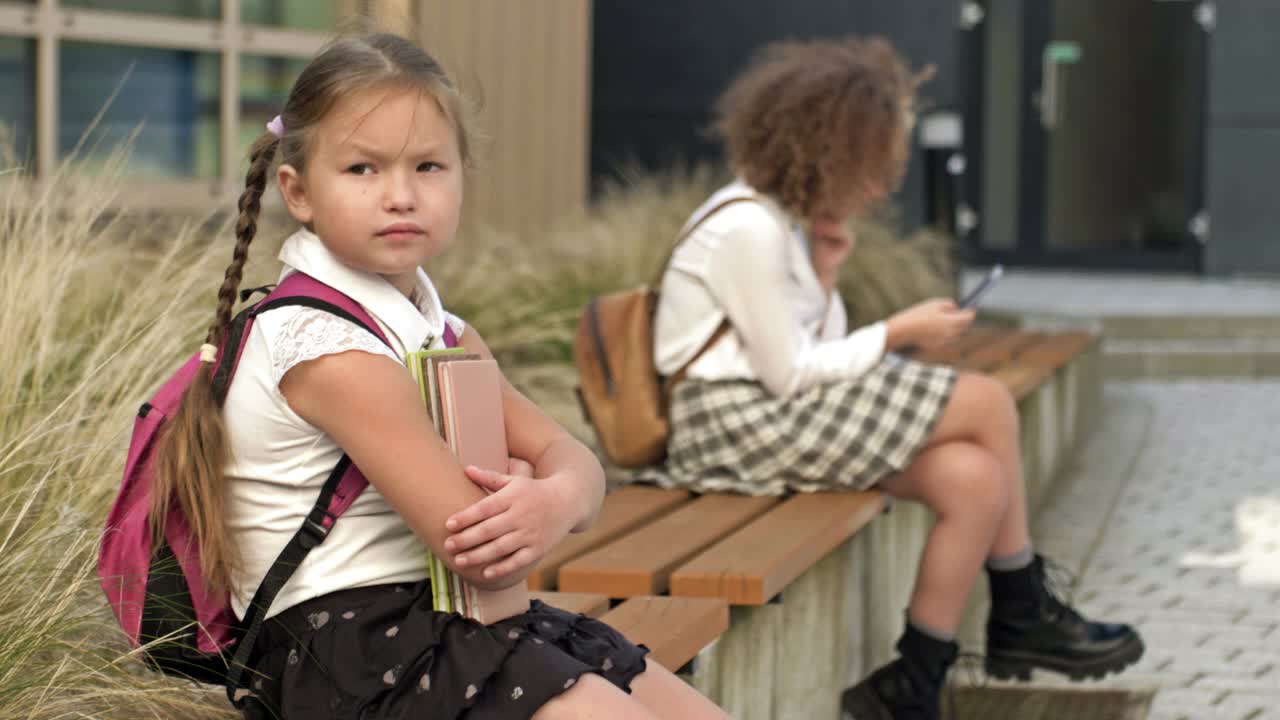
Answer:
(689, 228)
(723, 328)
(344, 483)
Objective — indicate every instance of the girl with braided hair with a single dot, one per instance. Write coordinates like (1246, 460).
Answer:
(374, 144)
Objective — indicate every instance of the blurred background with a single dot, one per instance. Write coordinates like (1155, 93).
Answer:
(1117, 134)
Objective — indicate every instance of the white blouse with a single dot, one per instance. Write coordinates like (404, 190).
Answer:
(280, 461)
(750, 262)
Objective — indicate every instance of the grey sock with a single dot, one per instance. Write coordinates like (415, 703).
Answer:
(1016, 561)
(930, 631)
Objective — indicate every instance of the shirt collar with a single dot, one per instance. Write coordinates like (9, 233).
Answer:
(414, 326)
(770, 203)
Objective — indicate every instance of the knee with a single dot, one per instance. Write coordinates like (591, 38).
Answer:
(975, 483)
(990, 399)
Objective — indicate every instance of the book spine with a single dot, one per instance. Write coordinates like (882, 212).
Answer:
(476, 610)
(456, 587)
(444, 595)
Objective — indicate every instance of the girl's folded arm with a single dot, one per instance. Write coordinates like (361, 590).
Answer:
(535, 437)
(371, 407)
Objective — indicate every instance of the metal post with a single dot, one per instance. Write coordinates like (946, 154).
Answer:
(46, 139)
(229, 105)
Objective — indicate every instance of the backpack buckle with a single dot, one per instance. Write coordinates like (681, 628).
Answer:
(313, 528)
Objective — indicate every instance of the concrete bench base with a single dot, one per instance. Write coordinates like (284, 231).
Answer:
(782, 660)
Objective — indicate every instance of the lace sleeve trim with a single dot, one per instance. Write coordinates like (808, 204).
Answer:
(312, 333)
(457, 324)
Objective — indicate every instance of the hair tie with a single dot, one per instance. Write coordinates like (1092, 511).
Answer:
(208, 353)
(276, 127)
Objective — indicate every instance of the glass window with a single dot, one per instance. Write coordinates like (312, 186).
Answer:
(264, 87)
(168, 97)
(17, 112)
(293, 14)
(173, 8)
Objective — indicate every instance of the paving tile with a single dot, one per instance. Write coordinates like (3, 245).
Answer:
(1191, 551)
(1186, 704)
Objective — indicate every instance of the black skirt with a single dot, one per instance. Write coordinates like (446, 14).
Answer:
(383, 652)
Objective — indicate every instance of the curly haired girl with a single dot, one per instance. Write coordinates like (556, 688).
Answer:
(778, 397)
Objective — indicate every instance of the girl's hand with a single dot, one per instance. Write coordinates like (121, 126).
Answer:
(518, 468)
(511, 529)
(928, 324)
(829, 246)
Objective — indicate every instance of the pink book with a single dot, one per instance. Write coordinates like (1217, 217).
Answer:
(473, 426)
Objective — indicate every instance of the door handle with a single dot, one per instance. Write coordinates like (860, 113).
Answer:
(1056, 55)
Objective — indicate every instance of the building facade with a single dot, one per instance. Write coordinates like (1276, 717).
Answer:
(1107, 134)
(190, 83)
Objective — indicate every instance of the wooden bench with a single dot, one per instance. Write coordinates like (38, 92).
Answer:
(674, 629)
(1021, 359)
(664, 554)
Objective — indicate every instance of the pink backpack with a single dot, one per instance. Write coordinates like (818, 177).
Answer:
(156, 592)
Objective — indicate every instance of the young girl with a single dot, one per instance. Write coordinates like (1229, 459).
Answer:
(787, 400)
(373, 146)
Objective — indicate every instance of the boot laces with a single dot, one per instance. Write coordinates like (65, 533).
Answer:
(1059, 585)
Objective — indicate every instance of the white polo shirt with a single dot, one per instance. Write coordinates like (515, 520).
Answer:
(280, 461)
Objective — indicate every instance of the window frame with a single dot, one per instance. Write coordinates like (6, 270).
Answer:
(50, 23)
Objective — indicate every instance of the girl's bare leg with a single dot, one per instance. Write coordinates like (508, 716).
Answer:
(965, 486)
(655, 693)
(970, 474)
(594, 698)
(982, 411)
(670, 697)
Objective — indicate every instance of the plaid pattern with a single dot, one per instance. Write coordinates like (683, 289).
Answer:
(733, 436)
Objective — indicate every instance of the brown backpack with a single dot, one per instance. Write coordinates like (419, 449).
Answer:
(622, 395)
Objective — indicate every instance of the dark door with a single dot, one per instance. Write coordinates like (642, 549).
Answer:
(1085, 132)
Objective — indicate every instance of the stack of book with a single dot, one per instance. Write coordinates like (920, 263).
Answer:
(463, 395)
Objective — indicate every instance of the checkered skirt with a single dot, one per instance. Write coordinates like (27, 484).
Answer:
(734, 436)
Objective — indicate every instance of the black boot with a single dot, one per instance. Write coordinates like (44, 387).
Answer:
(1030, 627)
(907, 688)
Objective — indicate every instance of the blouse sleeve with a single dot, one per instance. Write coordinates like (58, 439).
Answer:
(836, 323)
(456, 324)
(310, 333)
(748, 277)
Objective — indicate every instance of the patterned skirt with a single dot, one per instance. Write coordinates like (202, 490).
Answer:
(382, 652)
(734, 436)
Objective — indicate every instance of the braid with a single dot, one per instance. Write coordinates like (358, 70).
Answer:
(255, 184)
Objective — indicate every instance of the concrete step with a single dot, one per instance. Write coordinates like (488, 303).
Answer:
(1192, 327)
(1125, 358)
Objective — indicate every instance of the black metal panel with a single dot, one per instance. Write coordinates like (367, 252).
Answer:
(1243, 164)
(1245, 57)
(658, 68)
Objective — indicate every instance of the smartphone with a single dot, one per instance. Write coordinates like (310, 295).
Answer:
(983, 288)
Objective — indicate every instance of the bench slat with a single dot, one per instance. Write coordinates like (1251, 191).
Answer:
(1000, 350)
(1057, 350)
(1022, 378)
(755, 563)
(641, 562)
(589, 604)
(674, 629)
(623, 511)
(952, 352)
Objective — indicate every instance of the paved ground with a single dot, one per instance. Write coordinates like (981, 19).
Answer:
(1171, 520)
